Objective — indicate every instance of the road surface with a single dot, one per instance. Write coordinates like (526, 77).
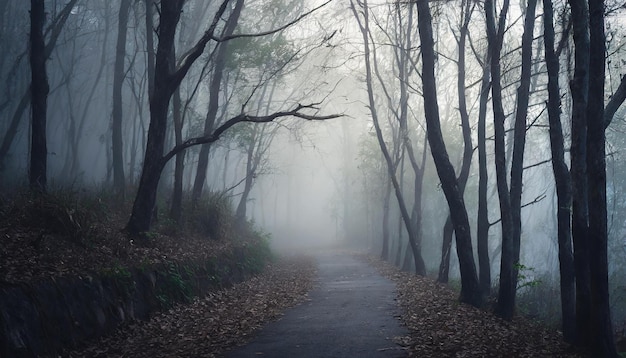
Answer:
(351, 313)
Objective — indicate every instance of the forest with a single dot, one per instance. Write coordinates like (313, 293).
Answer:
(476, 143)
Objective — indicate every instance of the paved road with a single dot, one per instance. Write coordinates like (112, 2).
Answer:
(351, 313)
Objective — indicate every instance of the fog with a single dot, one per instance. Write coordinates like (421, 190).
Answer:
(317, 184)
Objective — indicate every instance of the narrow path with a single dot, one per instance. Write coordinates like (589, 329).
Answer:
(351, 313)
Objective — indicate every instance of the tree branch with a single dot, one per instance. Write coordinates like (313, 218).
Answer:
(242, 117)
(616, 100)
(270, 32)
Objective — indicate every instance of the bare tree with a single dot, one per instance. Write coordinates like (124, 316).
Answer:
(562, 180)
(362, 18)
(39, 95)
(602, 340)
(55, 30)
(119, 182)
(470, 289)
(461, 39)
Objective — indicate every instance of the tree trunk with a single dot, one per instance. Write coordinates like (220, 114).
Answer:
(504, 308)
(470, 290)
(444, 267)
(164, 87)
(562, 181)
(510, 261)
(165, 83)
(150, 56)
(55, 31)
(176, 208)
(603, 343)
(482, 229)
(383, 146)
(240, 213)
(400, 225)
(39, 95)
(579, 87)
(214, 92)
(384, 255)
(119, 182)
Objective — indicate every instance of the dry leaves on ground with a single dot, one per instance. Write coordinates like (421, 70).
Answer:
(209, 325)
(440, 326)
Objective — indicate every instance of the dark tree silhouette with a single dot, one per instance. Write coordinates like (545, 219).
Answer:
(39, 97)
(466, 15)
(470, 289)
(562, 180)
(119, 182)
(602, 340)
(579, 87)
(214, 92)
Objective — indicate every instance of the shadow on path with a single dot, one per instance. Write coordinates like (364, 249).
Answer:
(351, 313)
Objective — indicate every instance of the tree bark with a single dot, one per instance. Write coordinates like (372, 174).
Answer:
(384, 254)
(214, 92)
(446, 247)
(470, 290)
(119, 181)
(510, 253)
(482, 224)
(579, 87)
(164, 87)
(150, 55)
(444, 267)
(603, 343)
(251, 166)
(176, 208)
(39, 96)
(165, 83)
(615, 102)
(562, 181)
(495, 46)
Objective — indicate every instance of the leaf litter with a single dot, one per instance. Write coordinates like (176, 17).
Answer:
(441, 326)
(210, 325)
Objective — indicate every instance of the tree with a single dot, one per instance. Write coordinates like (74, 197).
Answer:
(602, 341)
(391, 164)
(579, 88)
(55, 30)
(482, 220)
(119, 182)
(470, 289)
(461, 39)
(211, 116)
(562, 181)
(39, 96)
(511, 248)
(165, 83)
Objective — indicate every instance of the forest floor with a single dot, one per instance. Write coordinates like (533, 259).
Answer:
(437, 325)
(41, 238)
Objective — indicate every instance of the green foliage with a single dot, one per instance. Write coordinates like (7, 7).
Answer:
(540, 299)
(121, 277)
(525, 277)
(259, 253)
(175, 285)
(259, 52)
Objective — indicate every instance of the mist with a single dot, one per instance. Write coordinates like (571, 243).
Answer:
(318, 92)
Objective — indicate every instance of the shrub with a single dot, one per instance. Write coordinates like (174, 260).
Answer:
(212, 216)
